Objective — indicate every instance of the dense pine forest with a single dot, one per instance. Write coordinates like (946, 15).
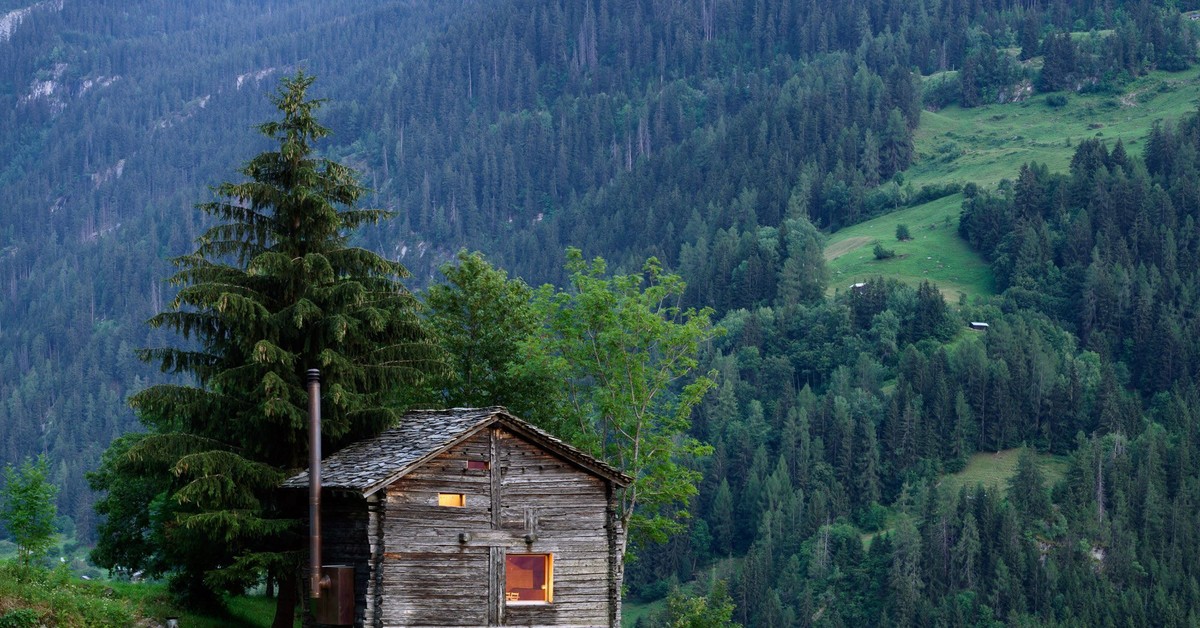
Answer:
(728, 140)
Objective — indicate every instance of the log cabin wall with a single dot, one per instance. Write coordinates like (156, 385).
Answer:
(346, 540)
(376, 505)
(565, 509)
(429, 577)
(445, 565)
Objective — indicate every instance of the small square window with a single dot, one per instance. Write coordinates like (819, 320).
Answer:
(453, 500)
(477, 465)
(529, 578)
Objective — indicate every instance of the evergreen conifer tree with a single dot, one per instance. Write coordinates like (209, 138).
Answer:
(273, 289)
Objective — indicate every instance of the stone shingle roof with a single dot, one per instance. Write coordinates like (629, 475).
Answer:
(371, 464)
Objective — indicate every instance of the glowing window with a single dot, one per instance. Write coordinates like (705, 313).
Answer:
(529, 578)
(453, 500)
(477, 465)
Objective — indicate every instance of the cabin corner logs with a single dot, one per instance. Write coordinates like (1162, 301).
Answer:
(488, 522)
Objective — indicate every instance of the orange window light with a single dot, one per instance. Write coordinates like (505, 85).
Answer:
(529, 578)
(453, 500)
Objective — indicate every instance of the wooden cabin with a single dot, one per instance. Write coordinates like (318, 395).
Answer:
(473, 517)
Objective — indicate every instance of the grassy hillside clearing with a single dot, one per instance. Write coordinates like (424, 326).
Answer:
(631, 612)
(935, 252)
(989, 143)
(984, 145)
(994, 469)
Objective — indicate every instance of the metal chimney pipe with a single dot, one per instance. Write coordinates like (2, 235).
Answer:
(314, 482)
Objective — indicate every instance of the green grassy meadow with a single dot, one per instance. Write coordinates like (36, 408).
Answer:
(984, 145)
(935, 252)
(993, 469)
(59, 597)
(631, 612)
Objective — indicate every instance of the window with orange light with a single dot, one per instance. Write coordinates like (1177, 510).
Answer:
(529, 578)
(452, 500)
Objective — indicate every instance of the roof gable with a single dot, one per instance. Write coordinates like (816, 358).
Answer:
(371, 464)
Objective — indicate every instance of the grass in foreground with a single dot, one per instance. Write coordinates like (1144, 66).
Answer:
(153, 600)
(40, 597)
(994, 469)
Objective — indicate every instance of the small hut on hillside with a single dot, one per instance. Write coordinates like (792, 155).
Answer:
(473, 517)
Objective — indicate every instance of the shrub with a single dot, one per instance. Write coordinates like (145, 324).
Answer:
(882, 253)
(21, 618)
(902, 233)
(940, 93)
(932, 192)
(1057, 100)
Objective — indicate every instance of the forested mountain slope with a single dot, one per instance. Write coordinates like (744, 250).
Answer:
(719, 136)
(116, 118)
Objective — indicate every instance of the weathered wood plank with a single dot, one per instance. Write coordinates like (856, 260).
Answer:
(494, 480)
(426, 572)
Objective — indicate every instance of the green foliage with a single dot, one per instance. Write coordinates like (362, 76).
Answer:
(481, 319)
(712, 611)
(137, 513)
(561, 142)
(902, 233)
(1057, 100)
(27, 508)
(625, 352)
(536, 128)
(1027, 487)
(804, 276)
(272, 290)
(21, 618)
(882, 253)
(40, 597)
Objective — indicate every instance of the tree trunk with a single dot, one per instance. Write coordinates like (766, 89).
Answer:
(285, 604)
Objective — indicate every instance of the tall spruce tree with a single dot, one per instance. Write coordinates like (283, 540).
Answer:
(273, 289)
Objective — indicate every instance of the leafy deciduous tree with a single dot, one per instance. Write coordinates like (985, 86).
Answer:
(625, 351)
(712, 611)
(480, 318)
(27, 508)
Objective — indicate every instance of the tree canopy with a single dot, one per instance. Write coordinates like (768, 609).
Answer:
(27, 508)
(272, 289)
(625, 352)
